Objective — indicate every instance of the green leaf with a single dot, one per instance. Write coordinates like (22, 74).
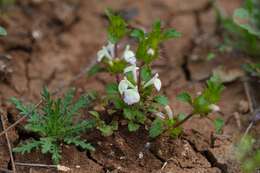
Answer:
(170, 33)
(156, 128)
(146, 73)
(181, 116)
(106, 130)
(138, 34)
(79, 143)
(218, 124)
(132, 127)
(210, 56)
(161, 100)
(129, 113)
(184, 97)
(112, 89)
(27, 147)
(2, 31)
(201, 105)
(95, 114)
(175, 132)
(117, 28)
(95, 69)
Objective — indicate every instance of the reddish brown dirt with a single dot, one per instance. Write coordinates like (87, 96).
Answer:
(50, 42)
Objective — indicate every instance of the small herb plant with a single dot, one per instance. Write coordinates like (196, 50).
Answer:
(135, 96)
(247, 155)
(54, 124)
(252, 69)
(244, 28)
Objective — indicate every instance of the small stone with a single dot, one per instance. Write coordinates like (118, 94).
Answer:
(141, 155)
(243, 106)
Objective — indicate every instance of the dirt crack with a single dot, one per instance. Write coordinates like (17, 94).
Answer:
(209, 156)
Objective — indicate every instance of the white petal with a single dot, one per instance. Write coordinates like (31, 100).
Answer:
(131, 96)
(132, 69)
(169, 111)
(111, 48)
(157, 84)
(100, 55)
(214, 108)
(160, 115)
(129, 55)
(122, 87)
(151, 81)
(150, 52)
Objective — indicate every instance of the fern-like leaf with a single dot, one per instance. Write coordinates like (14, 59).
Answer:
(27, 147)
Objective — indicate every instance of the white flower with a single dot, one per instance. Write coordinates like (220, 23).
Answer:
(129, 92)
(214, 108)
(150, 51)
(106, 52)
(132, 69)
(129, 55)
(154, 81)
(123, 86)
(159, 115)
(169, 111)
(131, 96)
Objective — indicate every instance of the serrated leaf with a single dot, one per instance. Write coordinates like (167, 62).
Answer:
(27, 147)
(138, 34)
(79, 143)
(218, 124)
(112, 89)
(161, 100)
(184, 97)
(132, 127)
(175, 132)
(156, 128)
(117, 28)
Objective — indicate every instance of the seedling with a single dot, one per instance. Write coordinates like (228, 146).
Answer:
(135, 96)
(244, 28)
(54, 124)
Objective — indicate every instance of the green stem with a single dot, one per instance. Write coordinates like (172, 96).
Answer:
(183, 121)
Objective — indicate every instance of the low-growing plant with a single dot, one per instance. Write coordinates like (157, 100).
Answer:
(253, 69)
(243, 29)
(248, 155)
(135, 95)
(54, 124)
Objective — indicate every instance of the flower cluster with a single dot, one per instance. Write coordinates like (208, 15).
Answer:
(136, 93)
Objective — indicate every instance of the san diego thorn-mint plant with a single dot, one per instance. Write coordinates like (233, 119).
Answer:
(54, 123)
(135, 96)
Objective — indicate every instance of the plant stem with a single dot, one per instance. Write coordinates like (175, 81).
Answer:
(183, 121)
(139, 75)
(116, 54)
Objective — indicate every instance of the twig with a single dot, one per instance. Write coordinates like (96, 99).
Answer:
(251, 108)
(18, 121)
(35, 165)
(55, 92)
(8, 143)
